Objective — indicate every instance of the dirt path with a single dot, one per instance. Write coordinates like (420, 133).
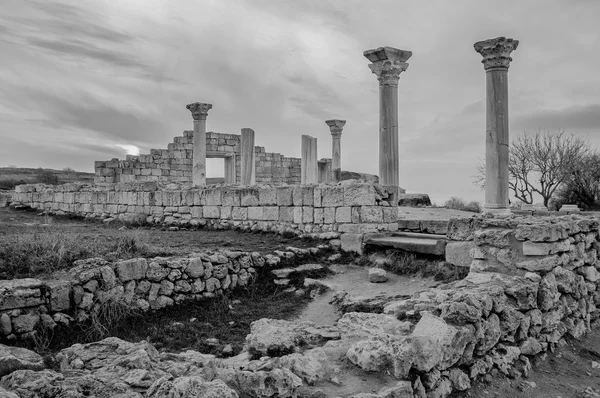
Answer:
(354, 280)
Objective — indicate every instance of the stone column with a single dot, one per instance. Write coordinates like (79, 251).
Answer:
(309, 170)
(496, 60)
(387, 64)
(336, 126)
(199, 112)
(248, 158)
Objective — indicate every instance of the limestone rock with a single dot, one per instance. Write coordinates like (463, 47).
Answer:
(190, 387)
(276, 337)
(377, 275)
(438, 344)
(15, 358)
(530, 347)
(7, 394)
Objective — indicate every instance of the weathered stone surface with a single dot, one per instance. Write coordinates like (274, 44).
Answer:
(275, 337)
(190, 387)
(15, 358)
(438, 344)
(459, 253)
(20, 293)
(414, 199)
(543, 249)
(540, 264)
(377, 275)
(133, 269)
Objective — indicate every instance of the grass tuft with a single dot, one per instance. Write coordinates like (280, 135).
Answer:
(403, 263)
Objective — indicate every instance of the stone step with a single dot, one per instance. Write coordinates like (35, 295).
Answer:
(419, 235)
(412, 243)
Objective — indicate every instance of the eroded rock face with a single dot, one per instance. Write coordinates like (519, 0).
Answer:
(15, 358)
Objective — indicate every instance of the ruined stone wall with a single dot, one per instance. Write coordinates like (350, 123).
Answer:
(174, 164)
(138, 283)
(326, 211)
(532, 282)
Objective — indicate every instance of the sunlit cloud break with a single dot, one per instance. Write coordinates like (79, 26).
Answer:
(129, 149)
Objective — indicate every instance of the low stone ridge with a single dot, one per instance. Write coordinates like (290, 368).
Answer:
(138, 283)
(414, 199)
(323, 211)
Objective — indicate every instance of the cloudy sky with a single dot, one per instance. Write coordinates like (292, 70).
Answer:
(91, 80)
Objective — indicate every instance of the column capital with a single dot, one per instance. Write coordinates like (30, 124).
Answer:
(335, 126)
(387, 64)
(496, 52)
(199, 110)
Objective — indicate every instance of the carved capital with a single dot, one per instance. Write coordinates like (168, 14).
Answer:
(199, 110)
(496, 52)
(335, 126)
(387, 64)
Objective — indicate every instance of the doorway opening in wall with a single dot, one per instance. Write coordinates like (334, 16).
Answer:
(215, 171)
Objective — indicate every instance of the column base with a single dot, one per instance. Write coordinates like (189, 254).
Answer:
(496, 210)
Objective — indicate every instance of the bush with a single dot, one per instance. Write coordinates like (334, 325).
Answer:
(459, 204)
(47, 177)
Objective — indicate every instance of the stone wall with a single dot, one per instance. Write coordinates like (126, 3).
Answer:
(325, 210)
(174, 164)
(532, 282)
(138, 283)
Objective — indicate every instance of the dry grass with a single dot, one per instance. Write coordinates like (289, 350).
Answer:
(45, 250)
(403, 263)
(459, 204)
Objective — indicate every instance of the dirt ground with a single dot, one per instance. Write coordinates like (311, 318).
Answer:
(13, 222)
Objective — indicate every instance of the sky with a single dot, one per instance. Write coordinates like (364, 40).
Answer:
(93, 80)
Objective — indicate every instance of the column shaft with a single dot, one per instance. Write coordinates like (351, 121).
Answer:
(199, 153)
(309, 171)
(336, 160)
(248, 158)
(389, 173)
(496, 140)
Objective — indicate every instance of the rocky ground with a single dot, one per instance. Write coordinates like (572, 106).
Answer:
(296, 358)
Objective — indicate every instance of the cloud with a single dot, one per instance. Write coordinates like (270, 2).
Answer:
(573, 118)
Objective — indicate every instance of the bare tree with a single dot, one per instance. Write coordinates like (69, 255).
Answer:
(540, 163)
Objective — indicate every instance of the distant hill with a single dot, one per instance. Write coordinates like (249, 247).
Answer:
(12, 176)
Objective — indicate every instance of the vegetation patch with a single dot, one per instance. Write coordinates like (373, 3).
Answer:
(403, 263)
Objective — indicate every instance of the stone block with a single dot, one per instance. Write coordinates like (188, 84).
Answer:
(298, 214)
(133, 269)
(226, 212)
(359, 195)
(439, 227)
(317, 196)
(308, 196)
(390, 214)
(270, 213)
(249, 196)
(460, 228)
(60, 295)
(307, 215)
(358, 228)
(284, 196)
(256, 213)
(297, 195)
(20, 293)
(329, 215)
(286, 214)
(410, 225)
(343, 214)
(239, 213)
(352, 243)
(459, 253)
(332, 196)
(197, 211)
(371, 214)
(231, 197)
(319, 215)
(267, 195)
(211, 212)
(543, 249)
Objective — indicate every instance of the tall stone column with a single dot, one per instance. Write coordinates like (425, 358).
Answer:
(248, 158)
(336, 126)
(199, 112)
(496, 60)
(309, 169)
(387, 64)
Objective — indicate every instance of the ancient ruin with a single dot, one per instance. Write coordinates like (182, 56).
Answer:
(533, 279)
